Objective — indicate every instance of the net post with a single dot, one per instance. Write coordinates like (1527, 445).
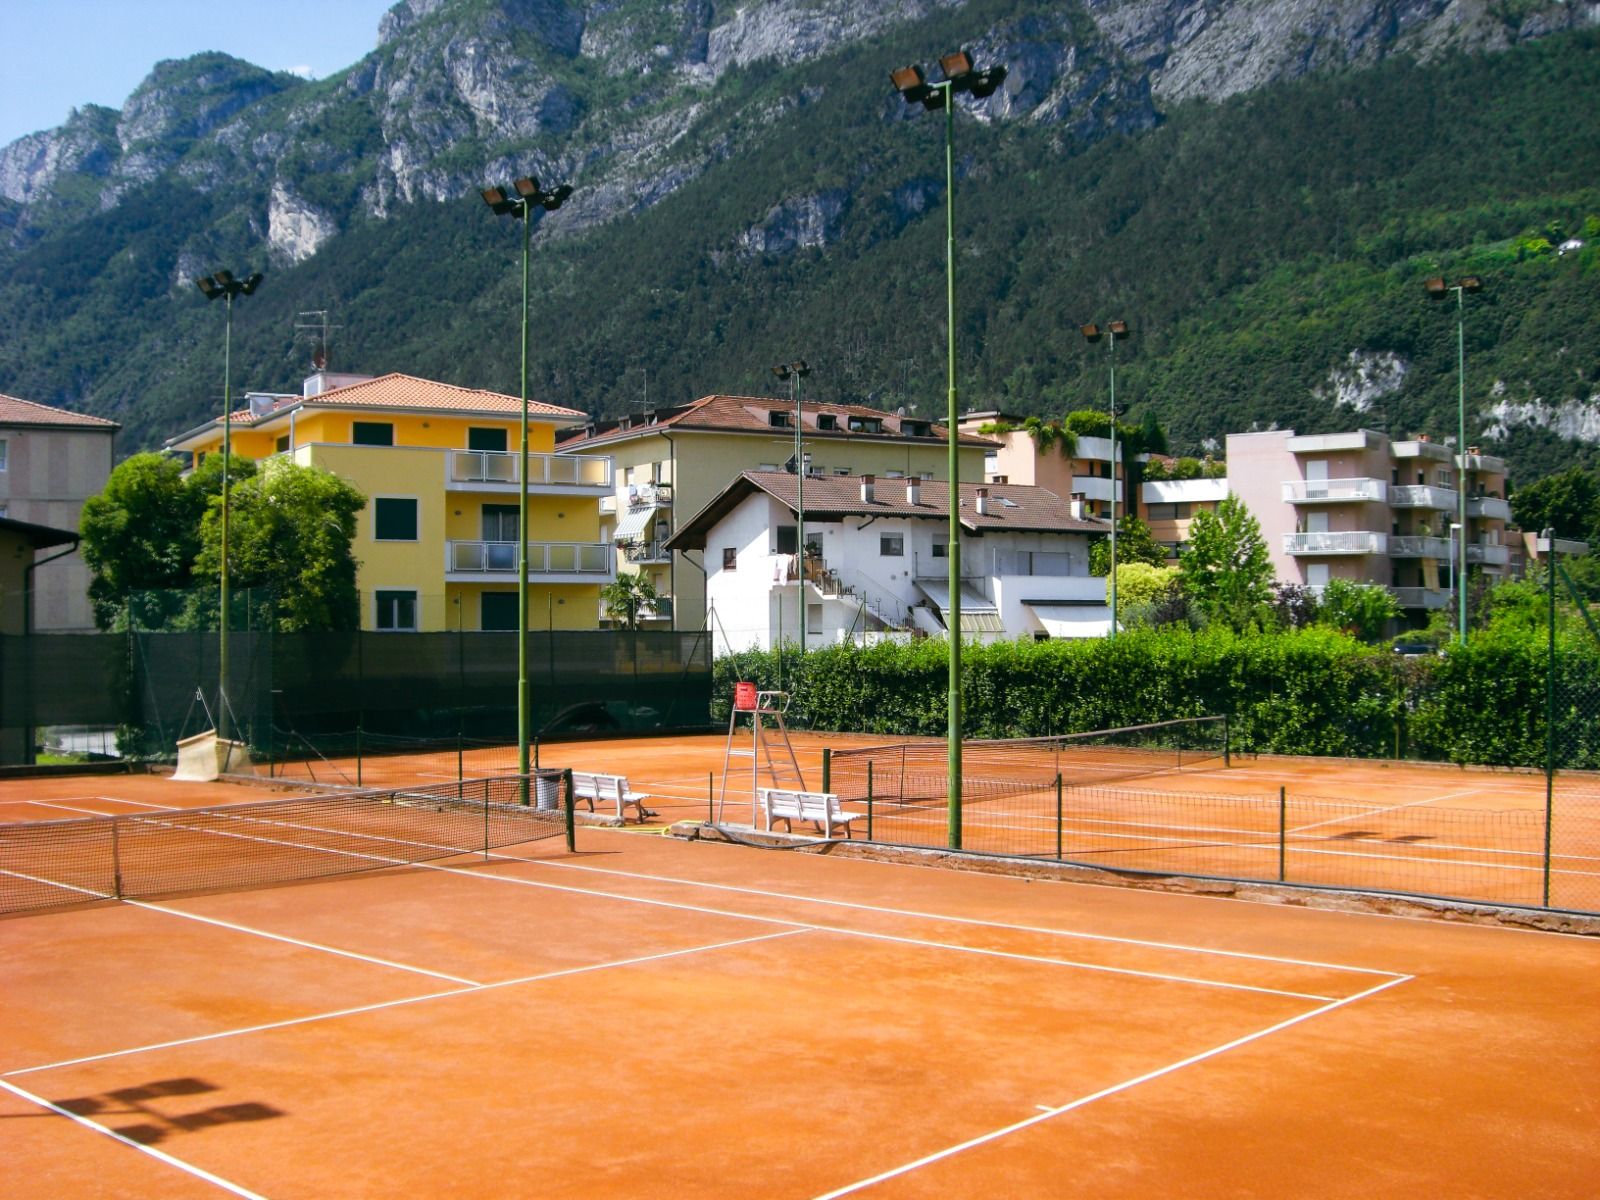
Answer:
(460, 759)
(116, 858)
(1058, 816)
(1283, 834)
(485, 817)
(827, 768)
(869, 799)
(569, 804)
(358, 753)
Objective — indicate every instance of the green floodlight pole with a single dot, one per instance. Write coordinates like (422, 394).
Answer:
(1437, 289)
(1092, 332)
(518, 202)
(221, 285)
(794, 372)
(959, 76)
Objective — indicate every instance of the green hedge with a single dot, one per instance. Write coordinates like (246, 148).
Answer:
(1309, 691)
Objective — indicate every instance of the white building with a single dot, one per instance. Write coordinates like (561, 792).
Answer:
(876, 563)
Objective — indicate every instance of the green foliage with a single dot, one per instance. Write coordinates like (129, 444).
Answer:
(1135, 544)
(626, 595)
(1569, 503)
(1141, 587)
(1363, 610)
(1227, 572)
(1186, 468)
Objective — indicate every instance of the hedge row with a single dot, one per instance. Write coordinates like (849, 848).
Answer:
(1310, 691)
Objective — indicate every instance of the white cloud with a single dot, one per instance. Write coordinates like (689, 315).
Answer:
(304, 72)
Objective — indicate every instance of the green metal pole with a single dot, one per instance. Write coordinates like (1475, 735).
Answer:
(1283, 834)
(1058, 816)
(1112, 351)
(522, 525)
(227, 451)
(1550, 715)
(827, 768)
(569, 802)
(1461, 449)
(953, 434)
(869, 799)
(800, 504)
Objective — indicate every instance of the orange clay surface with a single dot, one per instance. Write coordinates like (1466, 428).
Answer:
(649, 1017)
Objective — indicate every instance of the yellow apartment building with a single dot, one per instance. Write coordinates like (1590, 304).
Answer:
(672, 462)
(439, 465)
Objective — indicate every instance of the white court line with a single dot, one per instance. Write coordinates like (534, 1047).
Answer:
(158, 1155)
(565, 972)
(1373, 812)
(1047, 1114)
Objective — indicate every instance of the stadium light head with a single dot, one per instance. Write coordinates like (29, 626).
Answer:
(781, 370)
(249, 286)
(527, 187)
(800, 367)
(1470, 283)
(1091, 331)
(554, 199)
(209, 287)
(1436, 287)
(956, 66)
(1118, 328)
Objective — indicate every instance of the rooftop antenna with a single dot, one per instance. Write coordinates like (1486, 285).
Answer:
(319, 329)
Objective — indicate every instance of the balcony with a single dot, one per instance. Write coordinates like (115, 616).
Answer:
(1423, 496)
(1488, 508)
(1435, 451)
(1491, 556)
(1349, 541)
(649, 495)
(1487, 463)
(1419, 547)
(608, 506)
(497, 471)
(1334, 491)
(645, 552)
(1420, 597)
(1095, 487)
(548, 562)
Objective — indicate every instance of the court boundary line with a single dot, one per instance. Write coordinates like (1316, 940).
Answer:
(1125, 1085)
(170, 1160)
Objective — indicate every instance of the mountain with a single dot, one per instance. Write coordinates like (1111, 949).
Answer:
(1258, 186)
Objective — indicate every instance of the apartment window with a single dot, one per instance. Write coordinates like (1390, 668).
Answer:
(282, 444)
(499, 611)
(778, 419)
(827, 422)
(866, 425)
(397, 611)
(916, 428)
(730, 558)
(499, 522)
(372, 433)
(892, 545)
(941, 550)
(1394, 476)
(486, 439)
(1161, 512)
(788, 539)
(394, 520)
(2, 454)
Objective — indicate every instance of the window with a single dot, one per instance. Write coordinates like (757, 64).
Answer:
(866, 425)
(788, 539)
(730, 558)
(2, 454)
(827, 422)
(499, 522)
(499, 611)
(941, 550)
(778, 419)
(916, 428)
(394, 520)
(486, 439)
(892, 545)
(372, 433)
(282, 444)
(1161, 512)
(397, 611)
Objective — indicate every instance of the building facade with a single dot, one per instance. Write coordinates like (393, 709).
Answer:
(440, 467)
(1085, 474)
(671, 462)
(51, 461)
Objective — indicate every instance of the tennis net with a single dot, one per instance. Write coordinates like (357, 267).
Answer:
(915, 772)
(162, 852)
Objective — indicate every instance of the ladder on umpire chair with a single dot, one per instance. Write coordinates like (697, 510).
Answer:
(770, 749)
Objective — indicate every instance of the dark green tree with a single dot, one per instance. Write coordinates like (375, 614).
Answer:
(1227, 573)
(1135, 544)
(1363, 609)
(1568, 502)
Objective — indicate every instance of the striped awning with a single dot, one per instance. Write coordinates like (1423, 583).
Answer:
(634, 524)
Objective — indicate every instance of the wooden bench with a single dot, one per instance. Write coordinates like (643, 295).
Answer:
(782, 804)
(612, 790)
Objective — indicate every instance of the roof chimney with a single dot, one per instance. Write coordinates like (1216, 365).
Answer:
(867, 496)
(913, 491)
(982, 504)
(1077, 508)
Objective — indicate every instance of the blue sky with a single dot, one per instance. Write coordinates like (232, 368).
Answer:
(63, 53)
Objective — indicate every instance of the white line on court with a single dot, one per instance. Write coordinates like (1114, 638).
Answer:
(158, 1155)
(1373, 812)
(1048, 1113)
(565, 972)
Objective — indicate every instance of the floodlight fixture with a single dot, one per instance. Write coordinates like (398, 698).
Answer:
(956, 65)
(1436, 287)
(1091, 331)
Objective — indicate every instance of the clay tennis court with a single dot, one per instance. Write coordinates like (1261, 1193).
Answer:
(651, 1017)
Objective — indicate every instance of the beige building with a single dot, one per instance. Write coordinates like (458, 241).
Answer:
(1085, 475)
(51, 461)
(671, 462)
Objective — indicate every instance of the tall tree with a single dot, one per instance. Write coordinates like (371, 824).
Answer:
(1568, 502)
(1227, 572)
(1135, 544)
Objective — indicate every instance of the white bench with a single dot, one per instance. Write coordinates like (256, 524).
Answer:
(591, 786)
(782, 804)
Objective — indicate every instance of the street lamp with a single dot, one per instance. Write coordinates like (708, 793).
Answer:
(1093, 333)
(221, 285)
(959, 76)
(519, 202)
(794, 372)
(1438, 289)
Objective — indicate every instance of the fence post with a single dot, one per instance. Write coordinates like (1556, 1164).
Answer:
(827, 768)
(569, 802)
(869, 799)
(1283, 834)
(711, 798)
(1058, 816)
(1550, 717)
(1227, 741)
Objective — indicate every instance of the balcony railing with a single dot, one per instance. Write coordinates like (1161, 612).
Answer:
(1494, 556)
(1421, 597)
(649, 495)
(1420, 495)
(1490, 508)
(646, 552)
(544, 470)
(1419, 547)
(1333, 491)
(544, 558)
(1351, 541)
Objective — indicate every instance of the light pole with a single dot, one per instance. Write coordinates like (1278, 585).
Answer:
(1093, 332)
(519, 202)
(959, 76)
(1437, 290)
(794, 372)
(221, 285)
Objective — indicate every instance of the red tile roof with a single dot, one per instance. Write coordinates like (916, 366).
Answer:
(25, 412)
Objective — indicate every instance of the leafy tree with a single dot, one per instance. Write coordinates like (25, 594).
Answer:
(1135, 544)
(1568, 502)
(1226, 570)
(1141, 588)
(1294, 605)
(623, 598)
(290, 530)
(1363, 609)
